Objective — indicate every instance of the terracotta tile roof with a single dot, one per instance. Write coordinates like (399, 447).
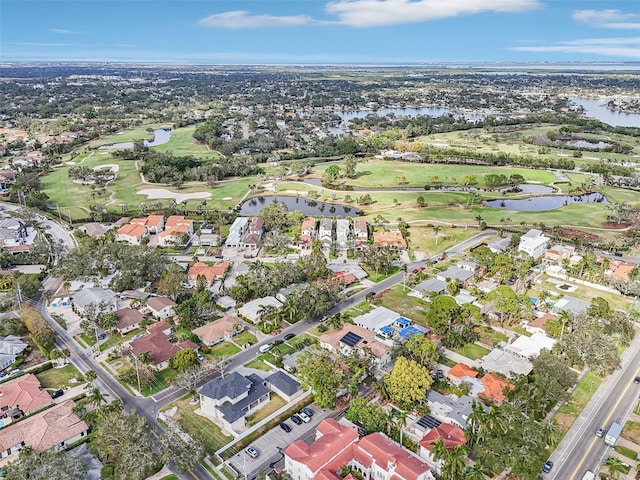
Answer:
(175, 221)
(308, 223)
(622, 272)
(306, 240)
(460, 370)
(451, 435)
(334, 439)
(386, 451)
(25, 392)
(493, 388)
(158, 345)
(209, 272)
(132, 230)
(128, 317)
(389, 239)
(155, 220)
(346, 278)
(45, 429)
(541, 322)
(217, 329)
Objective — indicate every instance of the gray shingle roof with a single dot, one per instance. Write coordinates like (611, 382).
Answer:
(232, 386)
(283, 382)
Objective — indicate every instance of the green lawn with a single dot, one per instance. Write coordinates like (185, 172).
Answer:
(162, 380)
(397, 300)
(627, 452)
(245, 337)
(183, 143)
(258, 363)
(198, 426)
(380, 276)
(472, 351)
(577, 401)
(275, 402)
(631, 431)
(114, 339)
(489, 336)
(170, 477)
(59, 377)
(224, 349)
(129, 135)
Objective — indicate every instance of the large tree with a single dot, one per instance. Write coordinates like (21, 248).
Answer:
(52, 463)
(184, 360)
(318, 370)
(408, 382)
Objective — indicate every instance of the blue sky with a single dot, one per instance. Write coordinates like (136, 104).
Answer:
(317, 31)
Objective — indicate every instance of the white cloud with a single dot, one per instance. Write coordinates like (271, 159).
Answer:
(64, 31)
(608, 19)
(242, 19)
(373, 13)
(90, 45)
(611, 47)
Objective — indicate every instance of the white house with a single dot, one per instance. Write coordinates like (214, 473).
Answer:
(237, 231)
(342, 233)
(161, 307)
(325, 231)
(533, 243)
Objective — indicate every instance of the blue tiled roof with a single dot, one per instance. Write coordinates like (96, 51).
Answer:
(409, 331)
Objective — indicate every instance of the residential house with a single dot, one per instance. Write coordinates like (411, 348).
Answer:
(500, 245)
(533, 243)
(351, 267)
(56, 427)
(93, 229)
(506, 363)
(157, 342)
(24, 393)
(529, 347)
(571, 304)
(307, 233)
(360, 232)
(11, 348)
(558, 253)
(390, 238)
(349, 337)
(177, 231)
(237, 231)
(153, 224)
(131, 233)
(252, 238)
(487, 286)
(455, 273)
(218, 331)
(253, 309)
(376, 318)
(452, 436)
(325, 232)
(13, 232)
(464, 297)
(449, 408)
(228, 400)
(342, 233)
(161, 307)
(426, 288)
(128, 320)
(210, 273)
(461, 373)
(284, 385)
(375, 456)
(494, 388)
(94, 296)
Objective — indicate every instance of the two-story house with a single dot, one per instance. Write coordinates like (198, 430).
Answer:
(307, 233)
(325, 232)
(237, 231)
(343, 228)
(533, 243)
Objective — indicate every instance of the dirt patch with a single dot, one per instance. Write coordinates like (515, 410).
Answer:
(615, 225)
(564, 421)
(35, 357)
(571, 233)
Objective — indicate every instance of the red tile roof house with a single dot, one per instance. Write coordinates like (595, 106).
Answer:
(128, 320)
(57, 426)
(24, 393)
(153, 223)
(390, 238)
(451, 435)
(161, 307)
(131, 234)
(210, 273)
(494, 388)
(375, 456)
(157, 343)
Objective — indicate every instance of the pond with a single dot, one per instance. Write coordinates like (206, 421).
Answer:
(538, 204)
(523, 187)
(160, 137)
(308, 206)
(597, 108)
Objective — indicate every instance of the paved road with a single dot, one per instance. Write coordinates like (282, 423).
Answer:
(580, 450)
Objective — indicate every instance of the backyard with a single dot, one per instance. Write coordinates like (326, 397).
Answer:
(60, 377)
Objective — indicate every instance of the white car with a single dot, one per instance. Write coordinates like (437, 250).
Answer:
(305, 418)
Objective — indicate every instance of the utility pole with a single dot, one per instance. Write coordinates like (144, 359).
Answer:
(19, 296)
(135, 358)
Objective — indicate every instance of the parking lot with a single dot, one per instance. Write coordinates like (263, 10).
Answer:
(267, 444)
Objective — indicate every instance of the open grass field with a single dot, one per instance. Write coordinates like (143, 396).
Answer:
(397, 300)
(129, 135)
(59, 377)
(577, 401)
(224, 349)
(245, 337)
(275, 402)
(472, 351)
(183, 143)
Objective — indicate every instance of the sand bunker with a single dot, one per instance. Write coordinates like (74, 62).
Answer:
(227, 198)
(159, 193)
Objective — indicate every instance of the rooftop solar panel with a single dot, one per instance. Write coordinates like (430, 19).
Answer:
(429, 422)
(350, 339)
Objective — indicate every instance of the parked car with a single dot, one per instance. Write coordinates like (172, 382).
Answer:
(296, 419)
(289, 336)
(285, 427)
(307, 411)
(547, 466)
(277, 342)
(305, 418)
(600, 432)
(636, 380)
(265, 348)
(57, 393)
(199, 356)
(252, 452)
(439, 373)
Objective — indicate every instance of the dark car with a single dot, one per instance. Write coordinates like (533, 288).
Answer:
(277, 342)
(547, 466)
(307, 411)
(57, 393)
(285, 427)
(439, 374)
(296, 419)
(289, 336)
(636, 380)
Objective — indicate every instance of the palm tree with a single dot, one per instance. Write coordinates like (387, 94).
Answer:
(90, 376)
(290, 308)
(615, 467)
(477, 428)
(474, 472)
(564, 318)
(454, 463)
(436, 230)
(334, 321)
(550, 432)
(439, 450)
(96, 397)
(400, 421)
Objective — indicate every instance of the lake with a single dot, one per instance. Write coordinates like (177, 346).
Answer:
(597, 108)
(308, 206)
(538, 204)
(160, 137)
